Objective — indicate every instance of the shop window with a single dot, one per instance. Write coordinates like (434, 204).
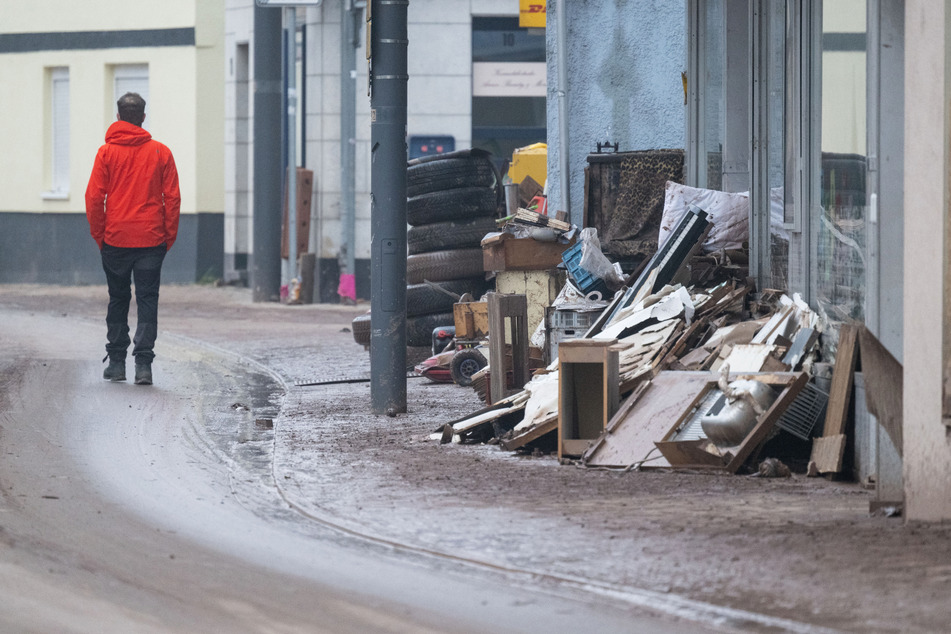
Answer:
(508, 86)
(839, 217)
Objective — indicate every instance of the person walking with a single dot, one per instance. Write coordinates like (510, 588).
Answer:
(132, 205)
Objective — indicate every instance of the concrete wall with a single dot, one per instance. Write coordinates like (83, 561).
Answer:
(625, 59)
(184, 112)
(927, 449)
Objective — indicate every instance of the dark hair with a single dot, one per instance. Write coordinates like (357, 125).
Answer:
(131, 108)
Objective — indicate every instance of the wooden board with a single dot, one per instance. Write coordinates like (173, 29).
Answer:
(840, 391)
(654, 409)
(547, 426)
(789, 385)
(884, 382)
(827, 453)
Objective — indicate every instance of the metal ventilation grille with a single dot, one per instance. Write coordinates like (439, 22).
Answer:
(801, 417)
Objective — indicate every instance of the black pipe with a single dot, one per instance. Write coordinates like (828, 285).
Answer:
(268, 179)
(388, 83)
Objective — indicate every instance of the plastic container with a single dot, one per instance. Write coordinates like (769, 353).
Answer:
(567, 324)
(583, 279)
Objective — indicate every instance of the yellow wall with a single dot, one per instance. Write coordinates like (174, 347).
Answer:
(185, 109)
(55, 16)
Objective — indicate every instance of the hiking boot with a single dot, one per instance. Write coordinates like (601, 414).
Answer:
(143, 373)
(115, 371)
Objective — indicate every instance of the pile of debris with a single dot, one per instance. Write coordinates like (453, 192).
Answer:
(681, 376)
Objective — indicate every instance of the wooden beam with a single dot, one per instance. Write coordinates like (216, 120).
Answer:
(828, 453)
(840, 391)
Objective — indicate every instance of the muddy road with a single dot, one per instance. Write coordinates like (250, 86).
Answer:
(184, 509)
(153, 509)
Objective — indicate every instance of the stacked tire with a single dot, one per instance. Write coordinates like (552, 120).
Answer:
(452, 201)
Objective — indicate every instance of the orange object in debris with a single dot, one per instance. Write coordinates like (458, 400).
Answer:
(539, 205)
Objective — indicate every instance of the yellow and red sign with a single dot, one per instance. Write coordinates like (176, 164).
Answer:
(531, 13)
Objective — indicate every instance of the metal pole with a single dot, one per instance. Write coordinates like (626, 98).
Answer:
(266, 252)
(291, 20)
(348, 133)
(563, 166)
(388, 76)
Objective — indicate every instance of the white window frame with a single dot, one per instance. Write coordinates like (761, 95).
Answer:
(131, 78)
(59, 134)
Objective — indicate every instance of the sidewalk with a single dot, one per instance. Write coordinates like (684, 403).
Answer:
(792, 551)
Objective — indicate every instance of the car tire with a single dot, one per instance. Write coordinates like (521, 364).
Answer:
(440, 266)
(464, 203)
(360, 326)
(450, 173)
(464, 364)
(439, 236)
(422, 299)
(419, 330)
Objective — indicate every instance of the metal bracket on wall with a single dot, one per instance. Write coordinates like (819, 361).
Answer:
(607, 146)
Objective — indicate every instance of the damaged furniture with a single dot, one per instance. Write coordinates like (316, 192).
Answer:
(587, 392)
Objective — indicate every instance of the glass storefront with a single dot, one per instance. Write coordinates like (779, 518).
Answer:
(509, 86)
(840, 215)
(780, 111)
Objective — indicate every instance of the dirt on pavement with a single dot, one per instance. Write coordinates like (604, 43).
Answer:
(805, 549)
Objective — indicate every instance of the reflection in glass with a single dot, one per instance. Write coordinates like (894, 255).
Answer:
(839, 219)
(714, 55)
(775, 61)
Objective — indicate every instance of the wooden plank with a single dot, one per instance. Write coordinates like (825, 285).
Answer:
(689, 454)
(840, 391)
(648, 418)
(748, 357)
(828, 453)
(546, 426)
(573, 447)
(884, 380)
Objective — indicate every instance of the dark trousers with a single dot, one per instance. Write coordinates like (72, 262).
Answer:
(120, 265)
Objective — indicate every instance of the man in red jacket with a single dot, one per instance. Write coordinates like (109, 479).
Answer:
(132, 204)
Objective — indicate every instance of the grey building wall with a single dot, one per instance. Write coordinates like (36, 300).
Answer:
(625, 59)
(57, 249)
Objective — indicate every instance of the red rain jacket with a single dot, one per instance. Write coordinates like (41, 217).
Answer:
(132, 199)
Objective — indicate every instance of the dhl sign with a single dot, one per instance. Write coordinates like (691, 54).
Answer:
(531, 13)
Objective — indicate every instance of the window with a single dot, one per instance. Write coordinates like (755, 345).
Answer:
(59, 133)
(838, 223)
(132, 78)
(509, 86)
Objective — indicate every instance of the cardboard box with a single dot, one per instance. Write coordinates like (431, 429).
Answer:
(504, 252)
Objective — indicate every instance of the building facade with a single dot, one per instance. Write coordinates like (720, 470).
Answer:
(63, 65)
(454, 46)
(834, 116)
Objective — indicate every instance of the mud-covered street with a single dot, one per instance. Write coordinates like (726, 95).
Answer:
(698, 550)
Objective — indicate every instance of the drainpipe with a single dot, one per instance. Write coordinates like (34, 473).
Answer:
(562, 53)
(348, 132)
(266, 210)
(290, 14)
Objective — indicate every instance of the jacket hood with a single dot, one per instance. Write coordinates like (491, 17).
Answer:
(125, 133)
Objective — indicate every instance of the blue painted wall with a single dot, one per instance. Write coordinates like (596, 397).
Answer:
(625, 58)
